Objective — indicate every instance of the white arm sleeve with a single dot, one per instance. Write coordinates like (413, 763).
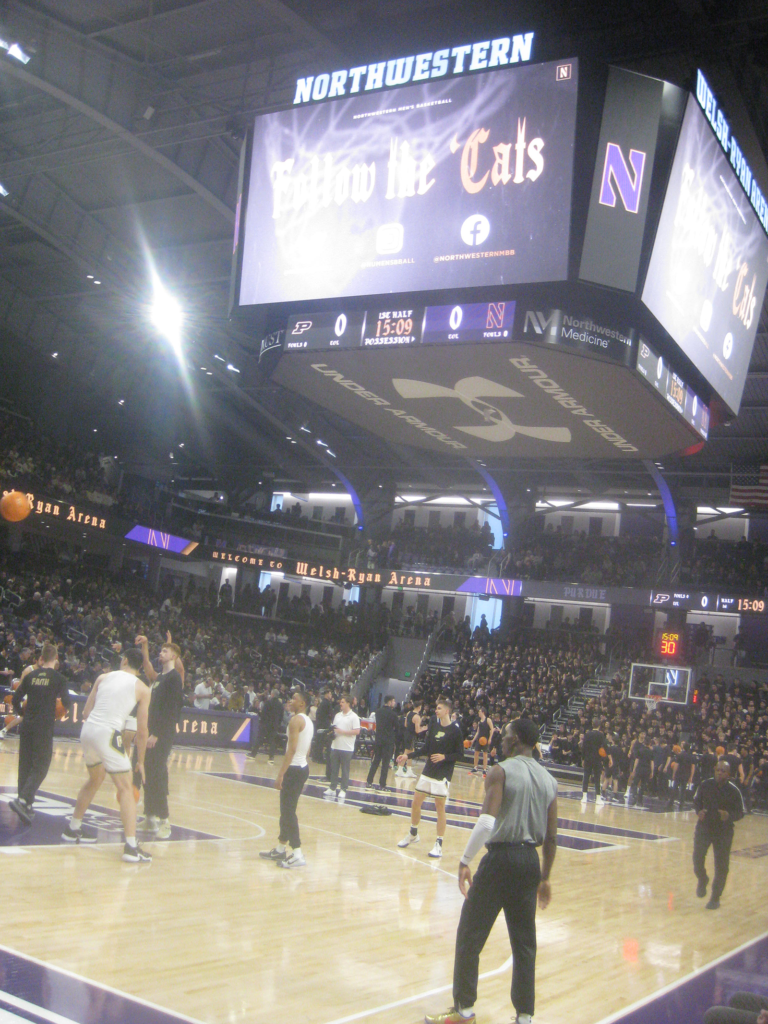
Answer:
(479, 836)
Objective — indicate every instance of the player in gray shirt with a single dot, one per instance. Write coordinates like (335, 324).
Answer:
(518, 814)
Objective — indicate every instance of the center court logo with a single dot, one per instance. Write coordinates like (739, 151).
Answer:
(472, 392)
(475, 229)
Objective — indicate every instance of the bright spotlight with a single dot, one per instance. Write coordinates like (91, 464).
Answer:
(166, 316)
(3, 190)
(14, 50)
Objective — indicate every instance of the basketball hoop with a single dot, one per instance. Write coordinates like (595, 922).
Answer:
(651, 702)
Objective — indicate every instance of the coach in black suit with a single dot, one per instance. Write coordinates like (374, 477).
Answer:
(386, 733)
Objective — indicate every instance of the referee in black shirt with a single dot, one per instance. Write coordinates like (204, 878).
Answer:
(387, 724)
(41, 687)
(718, 804)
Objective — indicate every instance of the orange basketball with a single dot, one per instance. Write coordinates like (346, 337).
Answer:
(602, 752)
(61, 711)
(483, 741)
(14, 506)
(467, 744)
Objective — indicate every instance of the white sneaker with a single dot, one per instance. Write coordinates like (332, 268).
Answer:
(599, 801)
(400, 773)
(164, 829)
(410, 774)
(408, 840)
(152, 824)
(584, 798)
(329, 794)
(296, 860)
(342, 796)
(437, 850)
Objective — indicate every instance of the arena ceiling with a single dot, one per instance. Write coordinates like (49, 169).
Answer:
(119, 146)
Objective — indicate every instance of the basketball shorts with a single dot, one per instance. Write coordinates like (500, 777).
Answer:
(433, 787)
(102, 745)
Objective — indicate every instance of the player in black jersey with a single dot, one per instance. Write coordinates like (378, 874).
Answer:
(443, 747)
(483, 732)
(414, 728)
(41, 686)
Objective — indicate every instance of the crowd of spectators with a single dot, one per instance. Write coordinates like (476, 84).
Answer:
(741, 565)
(32, 462)
(91, 616)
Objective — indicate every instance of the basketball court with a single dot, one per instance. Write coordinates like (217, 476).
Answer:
(210, 932)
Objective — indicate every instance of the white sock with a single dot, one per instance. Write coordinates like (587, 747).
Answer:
(280, 848)
(75, 823)
(131, 841)
(467, 1011)
(523, 1018)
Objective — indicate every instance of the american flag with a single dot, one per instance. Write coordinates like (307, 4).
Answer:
(749, 487)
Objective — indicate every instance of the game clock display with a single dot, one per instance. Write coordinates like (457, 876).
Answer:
(670, 645)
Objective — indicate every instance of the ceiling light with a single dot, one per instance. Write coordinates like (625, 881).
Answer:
(3, 190)
(209, 373)
(89, 277)
(166, 316)
(95, 430)
(332, 454)
(203, 367)
(97, 282)
(306, 430)
(233, 368)
(321, 443)
(220, 358)
(16, 51)
(121, 402)
(181, 445)
(54, 355)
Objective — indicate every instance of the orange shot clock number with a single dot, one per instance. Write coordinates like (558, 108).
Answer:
(669, 644)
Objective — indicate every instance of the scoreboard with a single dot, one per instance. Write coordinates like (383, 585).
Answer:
(406, 325)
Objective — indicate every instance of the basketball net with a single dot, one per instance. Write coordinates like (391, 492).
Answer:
(651, 702)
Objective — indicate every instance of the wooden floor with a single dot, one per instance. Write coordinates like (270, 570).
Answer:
(365, 931)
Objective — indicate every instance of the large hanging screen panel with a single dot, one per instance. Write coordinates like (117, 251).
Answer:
(451, 183)
(709, 265)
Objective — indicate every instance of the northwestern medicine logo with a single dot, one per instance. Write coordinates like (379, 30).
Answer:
(618, 178)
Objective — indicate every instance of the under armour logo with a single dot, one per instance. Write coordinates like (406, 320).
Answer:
(471, 391)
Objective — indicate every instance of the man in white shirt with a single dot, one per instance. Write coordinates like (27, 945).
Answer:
(346, 727)
(203, 693)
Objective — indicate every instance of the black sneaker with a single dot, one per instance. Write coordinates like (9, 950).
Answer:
(714, 904)
(76, 835)
(273, 854)
(701, 890)
(24, 812)
(135, 855)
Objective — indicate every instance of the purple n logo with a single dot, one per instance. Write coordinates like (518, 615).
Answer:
(616, 172)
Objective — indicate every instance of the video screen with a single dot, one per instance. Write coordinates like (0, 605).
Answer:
(452, 183)
(709, 265)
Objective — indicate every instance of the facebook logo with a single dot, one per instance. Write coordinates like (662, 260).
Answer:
(475, 229)
(617, 178)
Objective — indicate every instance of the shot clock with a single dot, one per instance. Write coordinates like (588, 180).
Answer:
(670, 644)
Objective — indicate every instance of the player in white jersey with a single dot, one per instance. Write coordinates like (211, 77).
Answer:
(109, 704)
(290, 780)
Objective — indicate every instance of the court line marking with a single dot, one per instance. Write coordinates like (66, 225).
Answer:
(341, 835)
(610, 844)
(96, 984)
(38, 1011)
(421, 995)
(680, 981)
